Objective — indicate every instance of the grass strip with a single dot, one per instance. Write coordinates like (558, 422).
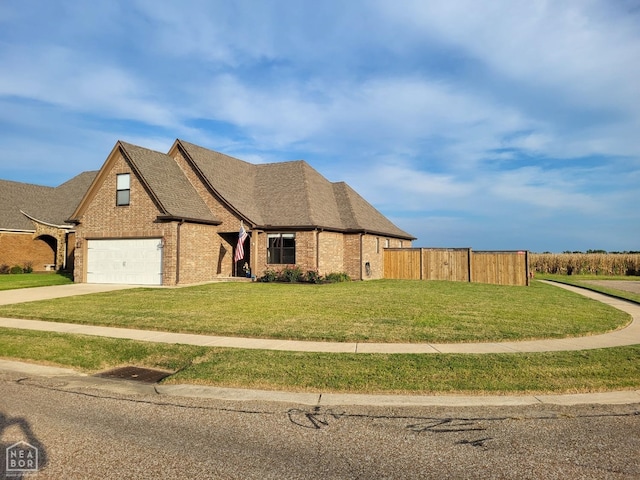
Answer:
(92, 354)
(373, 311)
(552, 372)
(31, 280)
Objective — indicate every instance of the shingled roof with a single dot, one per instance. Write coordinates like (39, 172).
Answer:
(176, 196)
(287, 194)
(268, 196)
(51, 205)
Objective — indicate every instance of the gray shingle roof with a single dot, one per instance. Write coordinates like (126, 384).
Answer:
(177, 197)
(275, 195)
(288, 194)
(232, 179)
(51, 205)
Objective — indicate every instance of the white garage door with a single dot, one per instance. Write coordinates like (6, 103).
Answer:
(131, 262)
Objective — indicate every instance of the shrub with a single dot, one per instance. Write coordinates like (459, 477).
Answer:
(337, 277)
(27, 267)
(4, 269)
(291, 274)
(312, 276)
(269, 276)
(16, 269)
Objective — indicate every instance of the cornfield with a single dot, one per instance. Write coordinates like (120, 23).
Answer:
(585, 263)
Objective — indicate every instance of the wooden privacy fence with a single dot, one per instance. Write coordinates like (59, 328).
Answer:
(457, 264)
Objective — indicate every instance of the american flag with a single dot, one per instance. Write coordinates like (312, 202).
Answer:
(242, 236)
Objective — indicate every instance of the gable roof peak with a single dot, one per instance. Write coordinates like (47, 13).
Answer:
(285, 194)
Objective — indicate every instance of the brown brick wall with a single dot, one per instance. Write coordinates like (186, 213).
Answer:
(352, 258)
(200, 254)
(306, 253)
(332, 248)
(22, 248)
(372, 253)
(223, 245)
(258, 241)
(103, 219)
(71, 250)
(205, 251)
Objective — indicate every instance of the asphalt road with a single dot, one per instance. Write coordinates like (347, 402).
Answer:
(86, 433)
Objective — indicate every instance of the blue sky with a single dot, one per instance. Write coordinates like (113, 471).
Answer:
(492, 125)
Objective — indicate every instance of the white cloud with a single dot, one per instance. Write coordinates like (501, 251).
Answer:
(549, 190)
(577, 45)
(59, 76)
(485, 113)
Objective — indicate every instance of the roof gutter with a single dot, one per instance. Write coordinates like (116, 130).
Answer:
(334, 229)
(63, 227)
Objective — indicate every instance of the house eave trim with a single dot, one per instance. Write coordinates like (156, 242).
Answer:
(15, 230)
(174, 218)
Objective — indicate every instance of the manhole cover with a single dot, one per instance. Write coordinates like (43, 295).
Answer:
(139, 374)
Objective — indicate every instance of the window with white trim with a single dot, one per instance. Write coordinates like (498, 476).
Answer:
(123, 189)
(281, 248)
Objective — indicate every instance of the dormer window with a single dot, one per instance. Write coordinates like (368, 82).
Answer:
(123, 189)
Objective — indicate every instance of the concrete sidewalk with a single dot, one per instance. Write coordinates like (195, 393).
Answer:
(626, 336)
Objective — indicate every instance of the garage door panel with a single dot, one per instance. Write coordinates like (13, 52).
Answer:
(127, 261)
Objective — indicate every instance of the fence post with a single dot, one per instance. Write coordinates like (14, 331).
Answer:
(470, 266)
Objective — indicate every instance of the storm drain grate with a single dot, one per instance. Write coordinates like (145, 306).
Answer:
(139, 374)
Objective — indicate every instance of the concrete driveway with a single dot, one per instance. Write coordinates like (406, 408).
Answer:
(22, 295)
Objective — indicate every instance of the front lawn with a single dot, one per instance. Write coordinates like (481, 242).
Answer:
(29, 280)
(374, 311)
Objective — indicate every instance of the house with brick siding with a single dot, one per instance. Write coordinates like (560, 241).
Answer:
(34, 230)
(174, 218)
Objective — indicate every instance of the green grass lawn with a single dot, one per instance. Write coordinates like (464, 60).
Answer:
(374, 311)
(557, 372)
(29, 280)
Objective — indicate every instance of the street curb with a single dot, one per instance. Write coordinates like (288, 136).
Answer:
(75, 380)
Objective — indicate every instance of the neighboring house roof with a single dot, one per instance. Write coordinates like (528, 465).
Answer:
(51, 205)
(287, 194)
